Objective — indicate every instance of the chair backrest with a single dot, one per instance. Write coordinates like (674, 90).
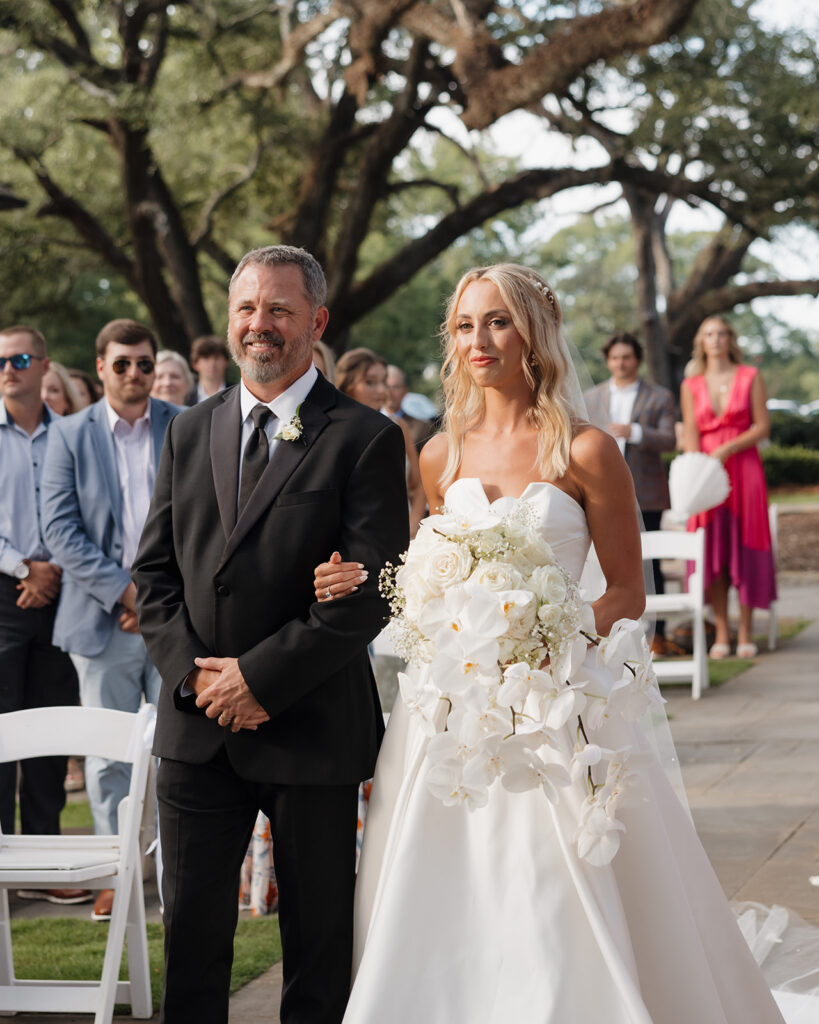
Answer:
(100, 732)
(673, 544)
(116, 735)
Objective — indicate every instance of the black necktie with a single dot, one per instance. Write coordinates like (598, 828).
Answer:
(255, 455)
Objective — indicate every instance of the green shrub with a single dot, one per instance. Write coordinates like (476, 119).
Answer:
(788, 429)
(787, 466)
(783, 466)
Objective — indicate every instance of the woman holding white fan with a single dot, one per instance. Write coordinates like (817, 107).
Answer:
(725, 415)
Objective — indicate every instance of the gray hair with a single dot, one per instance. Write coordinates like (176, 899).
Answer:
(168, 355)
(315, 283)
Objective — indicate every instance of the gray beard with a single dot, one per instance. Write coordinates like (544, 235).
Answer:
(266, 367)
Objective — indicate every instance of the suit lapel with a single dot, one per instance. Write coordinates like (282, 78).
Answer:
(225, 432)
(106, 456)
(160, 416)
(284, 461)
(640, 400)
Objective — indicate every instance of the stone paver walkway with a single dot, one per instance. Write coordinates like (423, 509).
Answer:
(750, 756)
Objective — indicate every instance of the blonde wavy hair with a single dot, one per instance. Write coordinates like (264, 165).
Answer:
(537, 317)
(698, 360)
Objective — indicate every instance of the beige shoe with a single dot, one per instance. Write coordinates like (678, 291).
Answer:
(719, 651)
(103, 906)
(747, 650)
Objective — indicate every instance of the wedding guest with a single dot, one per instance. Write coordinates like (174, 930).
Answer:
(640, 417)
(210, 359)
(324, 360)
(85, 387)
(396, 390)
(35, 673)
(58, 390)
(725, 415)
(173, 380)
(97, 482)
(362, 375)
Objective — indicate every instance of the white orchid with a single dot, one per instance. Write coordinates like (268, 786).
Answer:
(421, 699)
(558, 705)
(446, 781)
(536, 772)
(598, 835)
(519, 681)
(621, 645)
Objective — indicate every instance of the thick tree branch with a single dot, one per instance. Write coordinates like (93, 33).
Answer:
(319, 179)
(215, 201)
(494, 87)
(292, 53)
(84, 223)
(372, 172)
(448, 189)
(66, 11)
(365, 295)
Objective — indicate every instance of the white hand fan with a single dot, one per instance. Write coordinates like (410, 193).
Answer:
(696, 482)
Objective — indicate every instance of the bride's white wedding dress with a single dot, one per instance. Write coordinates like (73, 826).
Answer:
(490, 917)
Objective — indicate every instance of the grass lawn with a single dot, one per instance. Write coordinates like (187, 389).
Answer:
(76, 817)
(808, 496)
(726, 668)
(67, 949)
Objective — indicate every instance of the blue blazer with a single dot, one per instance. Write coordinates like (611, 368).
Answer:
(81, 502)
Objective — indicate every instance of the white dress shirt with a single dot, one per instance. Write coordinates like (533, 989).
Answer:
(21, 458)
(135, 465)
(621, 406)
(283, 408)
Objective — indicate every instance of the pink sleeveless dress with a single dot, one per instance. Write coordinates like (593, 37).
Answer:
(737, 534)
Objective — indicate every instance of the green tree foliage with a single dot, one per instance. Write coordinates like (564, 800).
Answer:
(154, 142)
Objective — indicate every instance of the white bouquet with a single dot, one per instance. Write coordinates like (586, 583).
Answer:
(496, 635)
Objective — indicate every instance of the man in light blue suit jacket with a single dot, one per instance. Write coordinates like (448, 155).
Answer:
(96, 489)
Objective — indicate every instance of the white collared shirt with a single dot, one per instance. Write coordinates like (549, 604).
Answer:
(135, 466)
(21, 456)
(283, 408)
(621, 406)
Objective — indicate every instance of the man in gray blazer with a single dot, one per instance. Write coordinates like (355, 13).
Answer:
(640, 416)
(97, 484)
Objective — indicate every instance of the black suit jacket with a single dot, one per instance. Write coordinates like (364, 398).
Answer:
(209, 585)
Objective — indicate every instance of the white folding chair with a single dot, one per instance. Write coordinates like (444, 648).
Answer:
(773, 620)
(677, 544)
(89, 862)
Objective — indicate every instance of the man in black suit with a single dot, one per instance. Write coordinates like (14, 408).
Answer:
(268, 700)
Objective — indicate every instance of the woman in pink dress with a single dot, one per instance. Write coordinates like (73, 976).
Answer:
(725, 415)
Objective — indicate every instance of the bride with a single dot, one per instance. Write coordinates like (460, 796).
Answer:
(489, 916)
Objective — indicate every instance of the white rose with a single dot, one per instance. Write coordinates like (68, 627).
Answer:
(548, 583)
(417, 594)
(549, 615)
(447, 565)
(291, 431)
(497, 576)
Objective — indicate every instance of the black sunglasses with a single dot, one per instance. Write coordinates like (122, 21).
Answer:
(19, 362)
(144, 365)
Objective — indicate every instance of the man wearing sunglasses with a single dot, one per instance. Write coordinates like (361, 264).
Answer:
(97, 486)
(34, 672)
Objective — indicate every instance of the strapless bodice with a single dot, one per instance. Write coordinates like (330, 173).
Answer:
(561, 521)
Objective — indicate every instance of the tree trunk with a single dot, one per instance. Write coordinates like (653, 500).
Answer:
(652, 327)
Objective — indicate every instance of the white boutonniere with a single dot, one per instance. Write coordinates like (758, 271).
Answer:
(292, 430)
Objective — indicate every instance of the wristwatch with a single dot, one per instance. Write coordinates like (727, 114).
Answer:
(21, 570)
